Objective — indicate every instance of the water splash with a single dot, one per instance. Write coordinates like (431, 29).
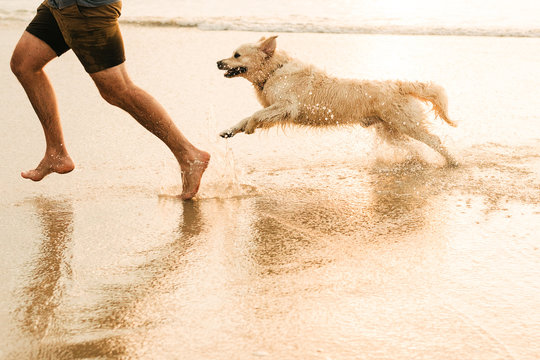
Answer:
(223, 178)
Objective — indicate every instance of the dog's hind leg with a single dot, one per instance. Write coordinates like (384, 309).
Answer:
(410, 121)
(433, 142)
(388, 134)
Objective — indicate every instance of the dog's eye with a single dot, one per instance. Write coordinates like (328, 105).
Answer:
(236, 55)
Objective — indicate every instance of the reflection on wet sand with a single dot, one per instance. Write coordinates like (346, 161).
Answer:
(311, 218)
(324, 262)
(44, 316)
(48, 320)
(399, 197)
(41, 304)
(315, 253)
(244, 276)
(135, 307)
(122, 302)
(51, 271)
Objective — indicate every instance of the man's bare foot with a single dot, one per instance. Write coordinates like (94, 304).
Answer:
(60, 164)
(192, 172)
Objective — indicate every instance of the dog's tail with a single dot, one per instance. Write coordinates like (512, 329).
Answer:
(431, 92)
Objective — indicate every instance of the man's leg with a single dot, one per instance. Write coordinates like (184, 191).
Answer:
(116, 87)
(29, 58)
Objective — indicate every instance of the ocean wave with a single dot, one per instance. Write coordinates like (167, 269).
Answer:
(298, 24)
(331, 26)
(16, 15)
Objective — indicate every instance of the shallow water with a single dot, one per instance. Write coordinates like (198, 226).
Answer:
(517, 18)
(303, 244)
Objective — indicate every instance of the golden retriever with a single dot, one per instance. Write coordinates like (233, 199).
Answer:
(295, 93)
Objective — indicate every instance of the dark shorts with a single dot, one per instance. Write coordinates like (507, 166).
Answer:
(92, 33)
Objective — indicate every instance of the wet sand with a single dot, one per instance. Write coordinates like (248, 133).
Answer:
(302, 244)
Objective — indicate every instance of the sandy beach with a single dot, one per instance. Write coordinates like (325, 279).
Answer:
(303, 244)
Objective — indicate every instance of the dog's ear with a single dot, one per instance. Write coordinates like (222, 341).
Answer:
(268, 46)
(262, 39)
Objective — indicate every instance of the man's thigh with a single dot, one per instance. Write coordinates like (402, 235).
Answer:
(45, 28)
(93, 34)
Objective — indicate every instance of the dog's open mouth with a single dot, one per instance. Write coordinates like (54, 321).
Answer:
(235, 71)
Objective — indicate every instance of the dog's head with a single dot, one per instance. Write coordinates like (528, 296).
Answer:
(249, 60)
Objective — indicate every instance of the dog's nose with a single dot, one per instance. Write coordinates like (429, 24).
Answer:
(221, 65)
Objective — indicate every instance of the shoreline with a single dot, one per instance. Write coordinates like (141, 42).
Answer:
(219, 24)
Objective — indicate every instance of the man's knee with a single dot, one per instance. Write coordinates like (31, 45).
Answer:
(115, 86)
(17, 64)
(23, 63)
(30, 55)
(114, 95)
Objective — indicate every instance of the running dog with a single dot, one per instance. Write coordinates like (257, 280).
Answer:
(294, 93)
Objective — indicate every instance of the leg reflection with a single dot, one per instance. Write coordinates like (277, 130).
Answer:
(154, 278)
(45, 315)
(51, 269)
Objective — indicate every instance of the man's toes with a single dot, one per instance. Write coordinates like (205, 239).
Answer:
(33, 175)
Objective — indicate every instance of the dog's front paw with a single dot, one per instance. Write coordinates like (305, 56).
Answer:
(227, 134)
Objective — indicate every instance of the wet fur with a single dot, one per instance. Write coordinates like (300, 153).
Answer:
(294, 93)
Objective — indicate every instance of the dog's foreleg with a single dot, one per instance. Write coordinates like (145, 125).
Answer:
(235, 129)
(267, 117)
